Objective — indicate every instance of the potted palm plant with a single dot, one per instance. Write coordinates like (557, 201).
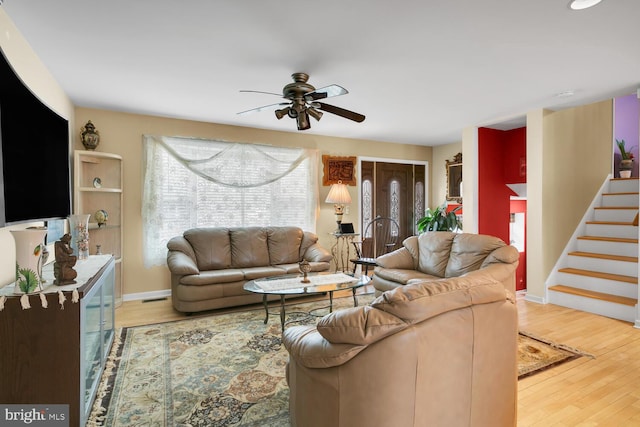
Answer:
(440, 220)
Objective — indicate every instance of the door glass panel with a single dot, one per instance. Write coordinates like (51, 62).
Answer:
(93, 344)
(419, 204)
(108, 320)
(367, 202)
(394, 202)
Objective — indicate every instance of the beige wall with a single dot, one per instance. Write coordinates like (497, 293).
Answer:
(121, 133)
(577, 158)
(35, 75)
(569, 156)
(441, 153)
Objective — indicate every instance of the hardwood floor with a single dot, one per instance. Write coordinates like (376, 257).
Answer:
(603, 391)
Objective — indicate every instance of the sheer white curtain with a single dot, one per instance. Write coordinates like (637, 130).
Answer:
(196, 183)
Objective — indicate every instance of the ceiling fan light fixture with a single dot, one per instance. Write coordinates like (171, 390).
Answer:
(583, 4)
(303, 121)
(314, 113)
(282, 112)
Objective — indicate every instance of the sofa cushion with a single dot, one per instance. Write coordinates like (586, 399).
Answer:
(416, 302)
(284, 244)
(251, 273)
(469, 251)
(211, 247)
(401, 275)
(249, 247)
(434, 248)
(211, 277)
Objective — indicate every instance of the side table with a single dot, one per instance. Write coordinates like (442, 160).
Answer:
(341, 250)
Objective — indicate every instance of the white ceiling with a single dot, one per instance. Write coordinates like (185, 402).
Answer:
(420, 70)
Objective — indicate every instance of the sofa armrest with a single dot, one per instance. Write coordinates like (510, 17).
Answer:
(501, 272)
(181, 259)
(398, 259)
(310, 349)
(317, 253)
(503, 255)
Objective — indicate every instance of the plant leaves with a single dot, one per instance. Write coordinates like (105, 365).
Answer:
(30, 281)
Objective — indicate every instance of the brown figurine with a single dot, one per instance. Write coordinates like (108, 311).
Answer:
(63, 266)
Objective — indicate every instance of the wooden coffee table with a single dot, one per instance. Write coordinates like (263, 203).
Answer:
(291, 284)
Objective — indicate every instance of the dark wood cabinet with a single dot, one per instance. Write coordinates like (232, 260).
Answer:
(56, 355)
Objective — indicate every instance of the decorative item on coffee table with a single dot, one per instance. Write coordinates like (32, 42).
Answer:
(305, 268)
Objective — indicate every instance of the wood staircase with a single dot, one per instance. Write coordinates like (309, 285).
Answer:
(598, 270)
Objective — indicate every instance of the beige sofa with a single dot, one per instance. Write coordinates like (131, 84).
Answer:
(441, 254)
(436, 354)
(209, 266)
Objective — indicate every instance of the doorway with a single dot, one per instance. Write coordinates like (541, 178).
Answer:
(392, 190)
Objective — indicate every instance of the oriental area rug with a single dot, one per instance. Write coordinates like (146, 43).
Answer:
(226, 370)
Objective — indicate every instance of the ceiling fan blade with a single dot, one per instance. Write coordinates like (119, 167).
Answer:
(264, 107)
(325, 92)
(339, 112)
(259, 91)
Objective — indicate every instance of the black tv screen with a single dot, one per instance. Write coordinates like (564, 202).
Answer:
(34, 149)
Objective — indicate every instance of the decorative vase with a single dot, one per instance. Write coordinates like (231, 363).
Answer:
(625, 174)
(29, 249)
(79, 227)
(90, 136)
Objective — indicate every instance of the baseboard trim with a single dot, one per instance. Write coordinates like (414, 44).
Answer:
(534, 298)
(147, 295)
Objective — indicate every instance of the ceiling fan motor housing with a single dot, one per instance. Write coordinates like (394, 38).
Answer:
(298, 88)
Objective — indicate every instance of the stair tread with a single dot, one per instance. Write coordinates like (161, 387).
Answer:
(600, 275)
(621, 193)
(604, 256)
(633, 178)
(610, 222)
(595, 295)
(617, 207)
(609, 239)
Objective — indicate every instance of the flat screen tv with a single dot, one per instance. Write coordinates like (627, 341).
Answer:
(35, 183)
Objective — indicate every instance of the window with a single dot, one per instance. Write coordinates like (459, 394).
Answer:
(202, 183)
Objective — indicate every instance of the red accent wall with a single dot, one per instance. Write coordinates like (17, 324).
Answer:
(515, 156)
(501, 160)
(493, 194)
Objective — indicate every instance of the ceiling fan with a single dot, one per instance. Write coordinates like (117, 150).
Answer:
(303, 102)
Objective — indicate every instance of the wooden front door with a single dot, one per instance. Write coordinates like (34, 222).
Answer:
(394, 190)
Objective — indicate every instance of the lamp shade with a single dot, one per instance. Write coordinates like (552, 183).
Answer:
(338, 194)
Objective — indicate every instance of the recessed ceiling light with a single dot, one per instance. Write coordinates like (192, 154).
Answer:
(583, 4)
(565, 94)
